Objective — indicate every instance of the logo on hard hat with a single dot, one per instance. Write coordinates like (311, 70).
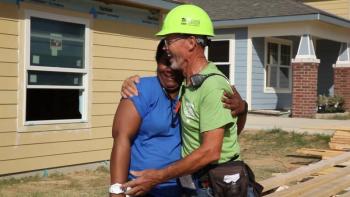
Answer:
(190, 22)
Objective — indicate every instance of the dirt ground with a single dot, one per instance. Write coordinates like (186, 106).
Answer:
(273, 152)
(267, 152)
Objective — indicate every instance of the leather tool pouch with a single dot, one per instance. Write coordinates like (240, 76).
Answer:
(232, 179)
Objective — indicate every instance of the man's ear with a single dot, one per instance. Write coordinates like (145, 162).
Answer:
(192, 43)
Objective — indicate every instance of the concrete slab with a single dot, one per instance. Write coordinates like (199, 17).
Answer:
(300, 125)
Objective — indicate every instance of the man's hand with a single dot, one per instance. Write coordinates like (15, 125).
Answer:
(129, 88)
(144, 182)
(234, 102)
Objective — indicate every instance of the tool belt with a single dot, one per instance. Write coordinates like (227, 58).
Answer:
(230, 179)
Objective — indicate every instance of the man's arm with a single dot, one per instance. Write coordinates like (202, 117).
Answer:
(233, 101)
(125, 126)
(128, 88)
(208, 152)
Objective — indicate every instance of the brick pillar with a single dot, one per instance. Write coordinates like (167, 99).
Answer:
(342, 84)
(304, 89)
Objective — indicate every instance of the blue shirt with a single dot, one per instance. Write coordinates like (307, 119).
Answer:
(158, 141)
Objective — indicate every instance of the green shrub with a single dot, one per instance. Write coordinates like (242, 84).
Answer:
(330, 104)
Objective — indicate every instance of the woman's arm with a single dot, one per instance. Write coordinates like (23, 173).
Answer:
(238, 107)
(125, 126)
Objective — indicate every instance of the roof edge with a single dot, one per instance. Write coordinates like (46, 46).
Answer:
(165, 5)
(280, 19)
(334, 20)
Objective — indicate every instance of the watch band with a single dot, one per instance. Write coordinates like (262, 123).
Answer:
(116, 189)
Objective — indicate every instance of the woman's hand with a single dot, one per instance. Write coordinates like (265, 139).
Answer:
(234, 102)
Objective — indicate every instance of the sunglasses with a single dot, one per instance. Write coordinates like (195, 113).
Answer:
(171, 40)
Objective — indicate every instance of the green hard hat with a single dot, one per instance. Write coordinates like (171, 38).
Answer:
(187, 19)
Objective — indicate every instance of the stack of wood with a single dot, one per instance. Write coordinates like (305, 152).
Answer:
(325, 178)
(323, 185)
(340, 140)
(320, 153)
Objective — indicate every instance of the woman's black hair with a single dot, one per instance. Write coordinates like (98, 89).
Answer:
(161, 53)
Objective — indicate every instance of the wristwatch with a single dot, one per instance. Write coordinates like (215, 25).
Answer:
(116, 189)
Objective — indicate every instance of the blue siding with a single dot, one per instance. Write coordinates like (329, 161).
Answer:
(240, 76)
(261, 100)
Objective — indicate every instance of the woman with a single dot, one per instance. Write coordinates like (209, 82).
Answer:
(146, 130)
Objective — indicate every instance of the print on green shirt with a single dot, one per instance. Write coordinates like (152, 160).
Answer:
(202, 111)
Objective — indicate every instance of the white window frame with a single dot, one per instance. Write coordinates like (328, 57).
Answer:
(83, 100)
(231, 58)
(346, 52)
(279, 42)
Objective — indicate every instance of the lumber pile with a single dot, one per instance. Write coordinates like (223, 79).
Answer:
(325, 178)
(339, 143)
(340, 140)
(320, 153)
(323, 185)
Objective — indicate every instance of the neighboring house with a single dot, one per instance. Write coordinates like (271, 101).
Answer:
(281, 54)
(339, 8)
(61, 66)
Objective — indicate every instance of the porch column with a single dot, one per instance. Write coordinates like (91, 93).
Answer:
(342, 75)
(304, 79)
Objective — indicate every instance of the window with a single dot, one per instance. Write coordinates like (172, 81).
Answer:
(220, 54)
(56, 72)
(278, 69)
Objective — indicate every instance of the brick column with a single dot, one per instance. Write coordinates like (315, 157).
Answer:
(304, 89)
(342, 83)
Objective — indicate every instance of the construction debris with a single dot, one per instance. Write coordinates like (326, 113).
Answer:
(340, 140)
(328, 177)
(324, 185)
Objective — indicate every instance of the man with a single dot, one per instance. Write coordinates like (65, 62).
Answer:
(209, 131)
(150, 114)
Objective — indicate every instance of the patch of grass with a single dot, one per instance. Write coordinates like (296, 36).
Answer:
(13, 181)
(261, 173)
(74, 184)
(103, 169)
(299, 140)
(277, 138)
(57, 176)
(37, 194)
(270, 151)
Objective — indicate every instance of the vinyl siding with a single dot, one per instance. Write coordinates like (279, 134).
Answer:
(337, 7)
(240, 75)
(8, 97)
(8, 69)
(118, 50)
(241, 61)
(260, 99)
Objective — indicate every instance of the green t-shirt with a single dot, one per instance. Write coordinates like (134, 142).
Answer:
(202, 111)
